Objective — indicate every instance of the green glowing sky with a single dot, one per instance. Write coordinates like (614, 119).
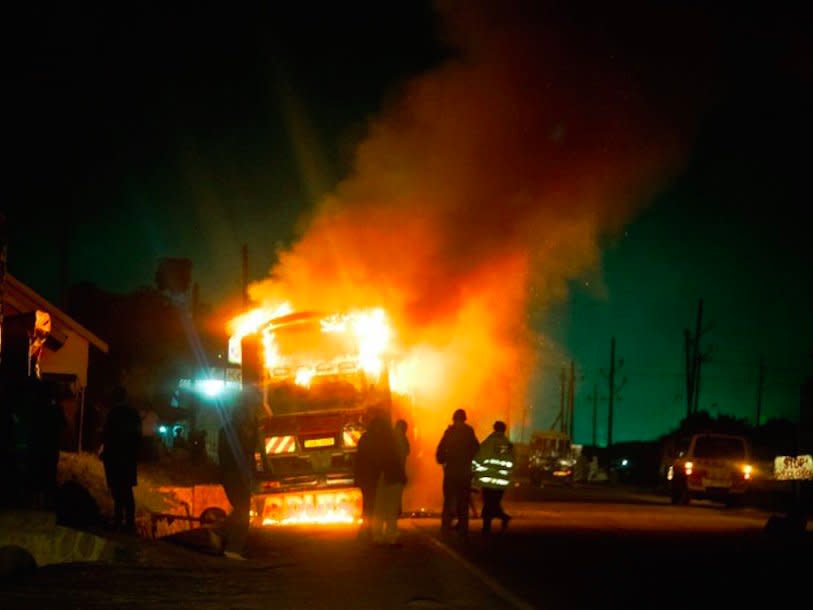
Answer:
(182, 135)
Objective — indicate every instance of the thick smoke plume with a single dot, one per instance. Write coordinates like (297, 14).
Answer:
(476, 195)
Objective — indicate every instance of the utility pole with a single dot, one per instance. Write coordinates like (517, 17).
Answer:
(525, 412)
(694, 361)
(696, 405)
(244, 257)
(571, 399)
(696, 357)
(701, 358)
(522, 429)
(760, 389)
(594, 398)
(687, 344)
(613, 393)
(562, 422)
(195, 300)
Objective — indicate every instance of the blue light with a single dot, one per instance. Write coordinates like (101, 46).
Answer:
(162, 429)
(624, 462)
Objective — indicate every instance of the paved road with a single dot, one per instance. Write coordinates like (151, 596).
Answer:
(611, 549)
(292, 568)
(597, 550)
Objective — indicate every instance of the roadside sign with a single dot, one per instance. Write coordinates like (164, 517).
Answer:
(793, 468)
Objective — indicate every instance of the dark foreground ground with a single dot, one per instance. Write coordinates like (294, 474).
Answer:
(565, 549)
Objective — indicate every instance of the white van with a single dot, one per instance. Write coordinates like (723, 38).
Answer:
(715, 467)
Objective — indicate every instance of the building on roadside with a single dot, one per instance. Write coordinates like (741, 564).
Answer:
(65, 354)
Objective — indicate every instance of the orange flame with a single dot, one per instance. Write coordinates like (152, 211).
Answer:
(372, 333)
(304, 517)
(249, 322)
(370, 330)
(318, 508)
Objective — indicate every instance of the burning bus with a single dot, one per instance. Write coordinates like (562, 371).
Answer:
(322, 376)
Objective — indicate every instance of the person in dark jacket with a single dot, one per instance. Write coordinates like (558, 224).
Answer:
(375, 455)
(235, 449)
(45, 442)
(455, 452)
(391, 487)
(121, 439)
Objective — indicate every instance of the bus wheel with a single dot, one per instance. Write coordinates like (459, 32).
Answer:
(212, 516)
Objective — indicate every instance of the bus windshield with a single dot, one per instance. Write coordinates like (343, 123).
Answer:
(313, 367)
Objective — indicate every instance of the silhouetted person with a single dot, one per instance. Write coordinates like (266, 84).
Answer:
(376, 449)
(391, 486)
(493, 464)
(235, 449)
(45, 441)
(178, 441)
(121, 439)
(455, 452)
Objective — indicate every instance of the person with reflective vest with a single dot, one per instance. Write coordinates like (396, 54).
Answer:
(492, 467)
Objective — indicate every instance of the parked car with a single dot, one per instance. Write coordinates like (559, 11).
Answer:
(715, 466)
(551, 457)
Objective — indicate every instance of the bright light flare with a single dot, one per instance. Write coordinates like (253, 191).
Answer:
(747, 471)
(211, 387)
(688, 466)
(304, 376)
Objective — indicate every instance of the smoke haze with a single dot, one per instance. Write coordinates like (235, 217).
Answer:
(478, 192)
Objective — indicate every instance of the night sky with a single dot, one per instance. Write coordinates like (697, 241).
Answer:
(151, 132)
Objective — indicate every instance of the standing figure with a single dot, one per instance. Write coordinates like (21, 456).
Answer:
(121, 439)
(391, 487)
(178, 441)
(375, 447)
(46, 442)
(455, 453)
(236, 443)
(492, 467)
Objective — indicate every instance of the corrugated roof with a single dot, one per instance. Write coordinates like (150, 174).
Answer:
(24, 299)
